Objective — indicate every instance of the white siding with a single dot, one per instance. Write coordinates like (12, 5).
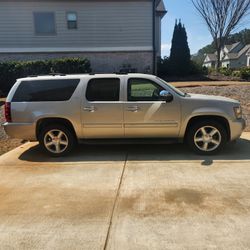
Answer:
(123, 24)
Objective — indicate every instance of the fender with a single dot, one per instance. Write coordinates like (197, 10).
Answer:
(202, 112)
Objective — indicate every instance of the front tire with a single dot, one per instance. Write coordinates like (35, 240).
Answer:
(57, 140)
(206, 137)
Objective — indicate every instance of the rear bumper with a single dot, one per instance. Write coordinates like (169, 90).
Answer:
(26, 131)
(237, 127)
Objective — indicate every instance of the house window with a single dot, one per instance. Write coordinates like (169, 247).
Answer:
(44, 23)
(72, 20)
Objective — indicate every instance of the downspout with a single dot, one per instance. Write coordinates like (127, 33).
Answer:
(154, 34)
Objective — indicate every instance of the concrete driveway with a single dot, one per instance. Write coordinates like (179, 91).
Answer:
(126, 197)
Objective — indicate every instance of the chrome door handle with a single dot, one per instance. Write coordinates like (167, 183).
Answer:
(90, 109)
(133, 109)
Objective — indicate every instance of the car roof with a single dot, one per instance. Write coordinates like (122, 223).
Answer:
(73, 76)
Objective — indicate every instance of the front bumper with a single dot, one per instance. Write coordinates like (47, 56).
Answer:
(26, 131)
(237, 127)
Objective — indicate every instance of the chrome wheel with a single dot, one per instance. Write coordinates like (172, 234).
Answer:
(56, 141)
(207, 138)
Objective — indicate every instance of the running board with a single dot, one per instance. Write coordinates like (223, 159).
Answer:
(129, 141)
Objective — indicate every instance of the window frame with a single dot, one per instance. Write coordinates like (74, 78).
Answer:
(144, 79)
(34, 23)
(103, 78)
(67, 21)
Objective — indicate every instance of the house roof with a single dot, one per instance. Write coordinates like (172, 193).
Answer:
(230, 47)
(233, 56)
(161, 8)
(210, 58)
(229, 56)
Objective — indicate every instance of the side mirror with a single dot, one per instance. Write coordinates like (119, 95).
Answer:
(166, 96)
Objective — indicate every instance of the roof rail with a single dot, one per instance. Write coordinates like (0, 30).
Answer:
(32, 76)
(57, 74)
(50, 74)
(120, 73)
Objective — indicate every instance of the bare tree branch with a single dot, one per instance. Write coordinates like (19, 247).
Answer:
(222, 17)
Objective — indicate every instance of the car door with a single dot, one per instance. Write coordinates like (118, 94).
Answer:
(102, 111)
(145, 115)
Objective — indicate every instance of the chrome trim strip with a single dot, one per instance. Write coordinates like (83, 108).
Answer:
(89, 125)
(151, 125)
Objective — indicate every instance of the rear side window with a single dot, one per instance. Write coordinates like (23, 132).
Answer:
(45, 90)
(105, 89)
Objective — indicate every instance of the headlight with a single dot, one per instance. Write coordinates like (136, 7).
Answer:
(238, 112)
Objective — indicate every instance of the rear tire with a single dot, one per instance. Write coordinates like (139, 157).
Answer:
(57, 140)
(206, 137)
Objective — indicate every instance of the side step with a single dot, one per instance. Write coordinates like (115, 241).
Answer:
(129, 141)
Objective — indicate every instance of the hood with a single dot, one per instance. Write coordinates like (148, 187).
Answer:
(213, 98)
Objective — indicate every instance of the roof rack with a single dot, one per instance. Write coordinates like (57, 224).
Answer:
(120, 73)
(57, 74)
(50, 74)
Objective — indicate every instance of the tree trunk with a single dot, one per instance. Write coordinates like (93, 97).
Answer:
(218, 59)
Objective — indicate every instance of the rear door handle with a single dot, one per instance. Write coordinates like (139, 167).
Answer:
(133, 109)
(91, 109)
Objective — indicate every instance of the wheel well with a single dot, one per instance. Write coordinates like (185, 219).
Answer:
(223, 121)
(42, 123)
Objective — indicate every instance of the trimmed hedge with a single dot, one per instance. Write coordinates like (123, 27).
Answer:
(10, 71)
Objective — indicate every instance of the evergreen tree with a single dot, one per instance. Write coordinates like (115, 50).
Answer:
(180, 58)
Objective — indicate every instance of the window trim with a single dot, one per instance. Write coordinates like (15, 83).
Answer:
(144, 79)
(67, 21)
(44, 34)
(103, 78)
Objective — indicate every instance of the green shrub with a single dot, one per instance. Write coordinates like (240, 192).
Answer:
(226, 71)
(10, 71)
(236, 73)
(197, 69)
(245, 73)
(165, 68)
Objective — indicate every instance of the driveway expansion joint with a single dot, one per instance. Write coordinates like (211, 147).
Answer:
(115, 202)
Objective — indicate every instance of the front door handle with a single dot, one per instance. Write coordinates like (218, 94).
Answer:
(133, 109)
(91, 109)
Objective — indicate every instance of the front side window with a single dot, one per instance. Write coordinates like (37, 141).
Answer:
(45, 90)
(44, 23)
(72, 20)
(143, 90)
(105, 89)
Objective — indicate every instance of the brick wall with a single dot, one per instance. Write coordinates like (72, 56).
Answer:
(107, 62)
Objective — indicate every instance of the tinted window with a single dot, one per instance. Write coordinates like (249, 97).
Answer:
(143, 90)
(106, 89)
(44, 23)
(45, 90)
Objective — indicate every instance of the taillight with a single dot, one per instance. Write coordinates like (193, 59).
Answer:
(7, 111)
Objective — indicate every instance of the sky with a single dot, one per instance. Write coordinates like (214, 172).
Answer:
(198, 34)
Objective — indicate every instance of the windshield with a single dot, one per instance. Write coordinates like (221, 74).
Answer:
(177, 91)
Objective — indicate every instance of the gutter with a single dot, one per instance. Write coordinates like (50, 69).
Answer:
(154, 34)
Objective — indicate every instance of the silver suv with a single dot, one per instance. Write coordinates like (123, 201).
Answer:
(61, 110)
